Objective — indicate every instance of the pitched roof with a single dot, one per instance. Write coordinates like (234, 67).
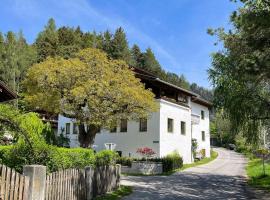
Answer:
(194, 97)
(5, 93)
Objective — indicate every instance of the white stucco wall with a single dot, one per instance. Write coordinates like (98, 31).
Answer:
(170, 142)
(157, 136)
(62, 124)
(128, 142)
(202, 126)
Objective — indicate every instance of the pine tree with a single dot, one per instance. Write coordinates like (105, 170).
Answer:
(107, 43)
(47, 41)
(69, 41)
(120, 49)
(150, 62)
(136, 56)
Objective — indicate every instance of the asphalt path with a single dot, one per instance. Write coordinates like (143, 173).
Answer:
(223, 178)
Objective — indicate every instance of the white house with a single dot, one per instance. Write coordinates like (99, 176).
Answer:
(182, 116)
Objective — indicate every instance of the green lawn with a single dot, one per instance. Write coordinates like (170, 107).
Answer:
(255, 174)
(118, 194)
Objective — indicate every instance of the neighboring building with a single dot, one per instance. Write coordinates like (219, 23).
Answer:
(182, 115)
(5, 93)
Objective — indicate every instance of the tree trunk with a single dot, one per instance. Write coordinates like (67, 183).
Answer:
(87, 134)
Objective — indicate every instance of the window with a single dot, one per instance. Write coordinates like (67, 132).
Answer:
(202, 114)
(67, 128)
(75, 128)
(170, 125)
(203, 136)
(123, 125)
(143, 125)
(113, 130)
(183, 128)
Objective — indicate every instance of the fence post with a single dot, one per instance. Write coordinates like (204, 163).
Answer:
(37, 181)
(118, 175)
(89, 175)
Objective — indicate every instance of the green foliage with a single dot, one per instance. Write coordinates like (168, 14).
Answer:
(62, 140)
(241, 71)
(220, 128)
(15, 58)
(54, 158)
(47, 42)
(116, 195)
(125, 161)
(58, 86)
(119, 46)
(194, 147)
(31, 147)
(49, 134)
(171, 162)
(242, 146)
(106, 157)
(203, 92)
(65, 158)
(256, 176)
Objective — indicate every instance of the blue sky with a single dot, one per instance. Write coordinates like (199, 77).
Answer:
(174, 29)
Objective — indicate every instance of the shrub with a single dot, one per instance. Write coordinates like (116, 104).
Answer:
(126, 161)
(64, 158)
(106, 157)
(54, 158)
(18, 155)
(172, 161)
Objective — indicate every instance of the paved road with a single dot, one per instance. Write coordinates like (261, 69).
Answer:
(223, 178)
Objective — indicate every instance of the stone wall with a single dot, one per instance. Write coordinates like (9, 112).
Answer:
(143, 167)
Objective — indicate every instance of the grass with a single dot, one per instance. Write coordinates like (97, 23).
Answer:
(214, 155)
(256, 176)
(118, 194)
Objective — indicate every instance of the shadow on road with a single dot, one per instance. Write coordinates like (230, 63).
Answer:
(189, 186)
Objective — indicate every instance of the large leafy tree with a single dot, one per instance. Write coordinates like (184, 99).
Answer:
(90, 88)
(241, 71)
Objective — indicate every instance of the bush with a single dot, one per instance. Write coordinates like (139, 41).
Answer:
(65, 158)
(54, 158)
(125, 161)
(106, 157)
(172, 161)
(16, 156)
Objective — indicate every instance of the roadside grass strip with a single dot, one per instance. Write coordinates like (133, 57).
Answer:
(256, 176)
(116, 195)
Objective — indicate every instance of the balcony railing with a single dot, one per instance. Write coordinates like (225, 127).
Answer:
(195, 119)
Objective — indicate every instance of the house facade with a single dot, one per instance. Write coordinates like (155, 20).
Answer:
(182, 116)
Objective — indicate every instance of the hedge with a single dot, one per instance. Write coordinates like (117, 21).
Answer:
(54, 158)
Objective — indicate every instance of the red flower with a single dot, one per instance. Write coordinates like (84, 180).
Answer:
(146, 152)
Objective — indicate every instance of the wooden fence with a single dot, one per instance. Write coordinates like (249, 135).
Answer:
(80, 184)
(13, 186)
(67, 184)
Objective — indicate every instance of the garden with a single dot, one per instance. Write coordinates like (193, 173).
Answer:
(29, 145)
